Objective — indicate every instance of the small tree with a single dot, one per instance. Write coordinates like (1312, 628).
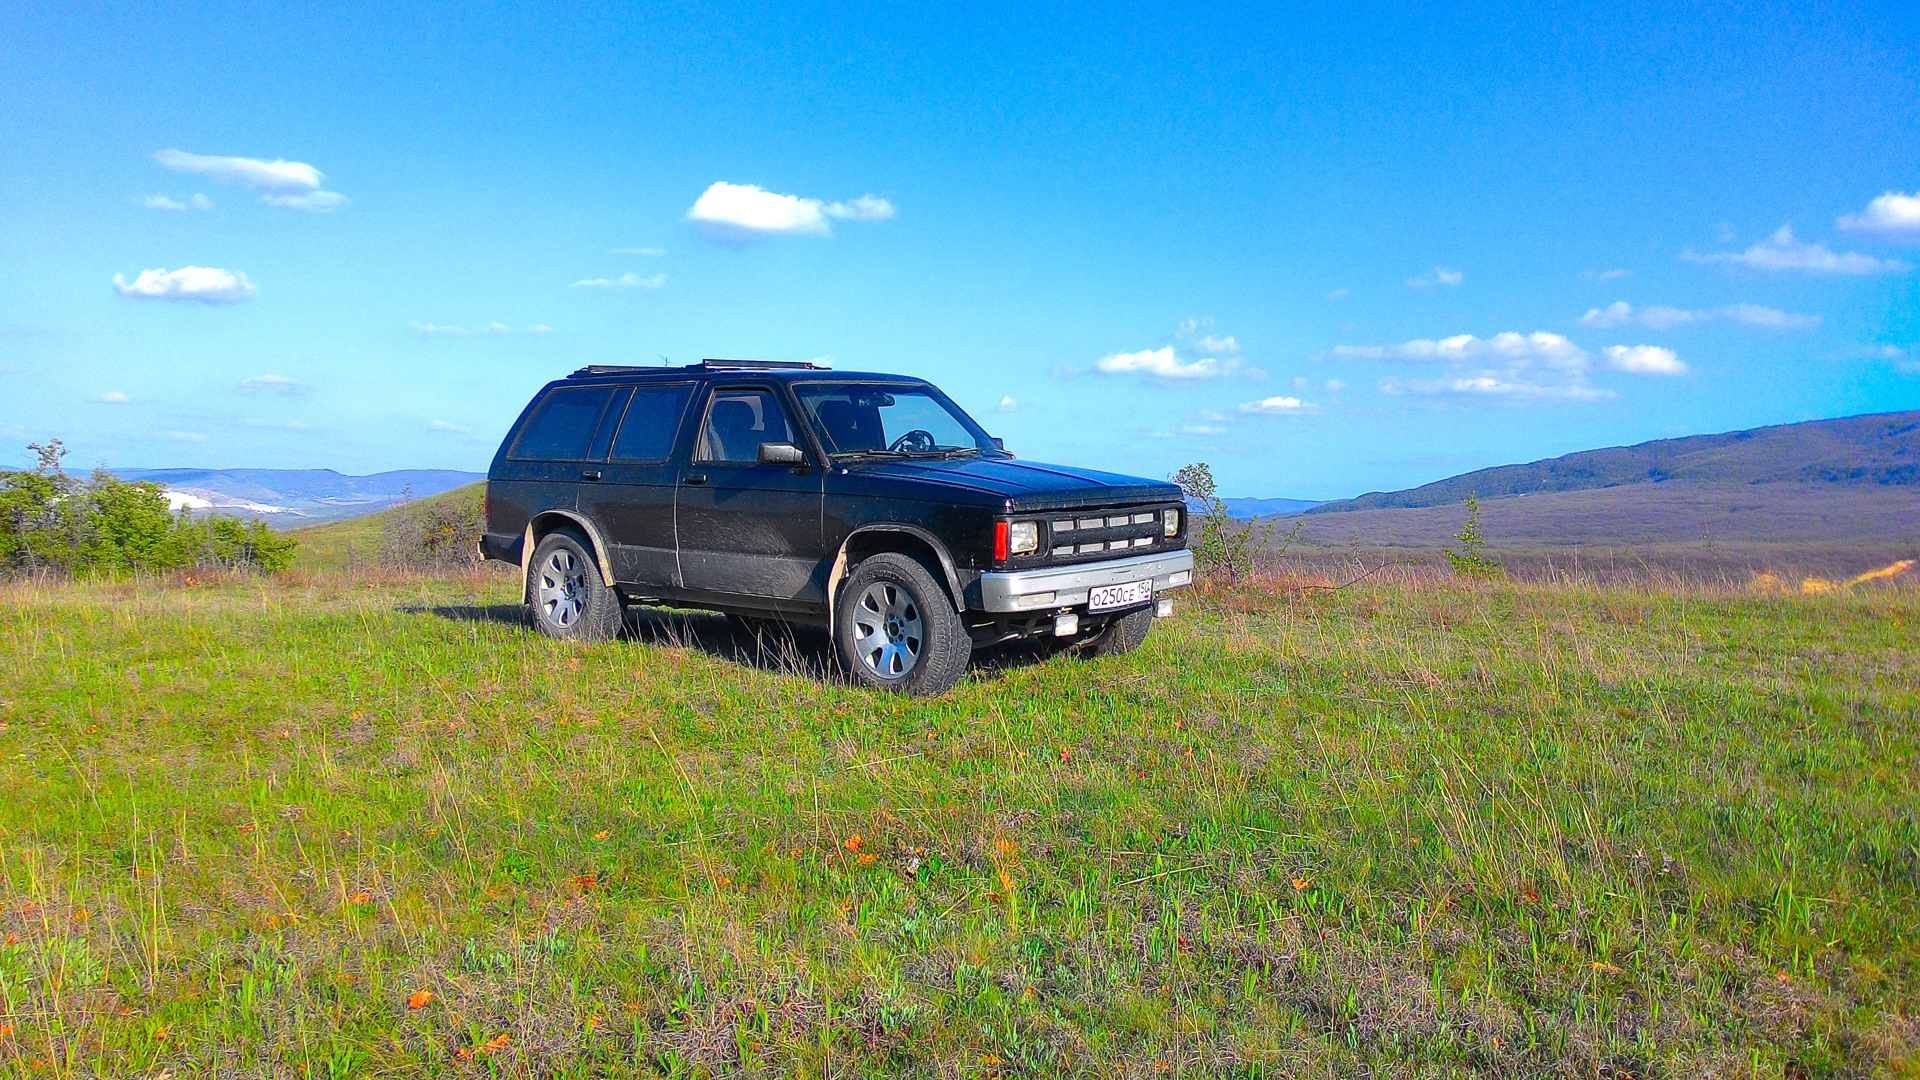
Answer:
(1221, 545)
(1472, 559)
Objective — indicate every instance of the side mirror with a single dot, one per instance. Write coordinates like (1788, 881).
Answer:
(781, 453)
(999, 443)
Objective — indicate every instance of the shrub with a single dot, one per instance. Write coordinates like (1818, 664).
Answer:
(1223, 548)
(1472, 559)
(438, 534)
(51, 522)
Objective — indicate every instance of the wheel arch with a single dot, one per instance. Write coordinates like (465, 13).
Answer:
(903, 539)
(547, 522)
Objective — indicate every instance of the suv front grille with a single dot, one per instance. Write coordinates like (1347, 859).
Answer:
(1103, 534)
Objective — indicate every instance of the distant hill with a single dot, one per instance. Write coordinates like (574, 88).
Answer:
(290, 497)
(1879, 450)
(1253, 508)
(335, 545)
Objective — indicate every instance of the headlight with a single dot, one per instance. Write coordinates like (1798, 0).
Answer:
(1170, 522)
(1023, 538)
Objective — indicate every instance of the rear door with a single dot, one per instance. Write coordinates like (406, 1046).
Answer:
(632, 500)
(550, 453)
(748, 529)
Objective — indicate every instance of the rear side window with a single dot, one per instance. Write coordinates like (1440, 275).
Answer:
(562, 425)
(652, 422)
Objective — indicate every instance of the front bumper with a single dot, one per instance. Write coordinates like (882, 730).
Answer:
(1057, 587)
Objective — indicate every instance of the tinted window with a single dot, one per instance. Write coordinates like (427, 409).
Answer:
(652, 421)
(863, 417)
(562, 425)
(738, 421)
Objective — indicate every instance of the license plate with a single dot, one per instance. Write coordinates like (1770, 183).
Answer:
(1108, 597)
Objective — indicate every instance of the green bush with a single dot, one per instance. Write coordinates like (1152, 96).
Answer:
(51, 522)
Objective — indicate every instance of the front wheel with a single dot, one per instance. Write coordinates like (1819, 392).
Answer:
(896, 629)
(1123, 635)
(566, 598)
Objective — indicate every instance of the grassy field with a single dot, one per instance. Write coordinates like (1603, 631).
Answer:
(362, 826)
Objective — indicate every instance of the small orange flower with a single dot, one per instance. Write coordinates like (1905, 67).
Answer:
(1605, 968)
(1530, 896)
(852, 843)
(601, 835)
(463, 1053)
(594, 1022)
(360, 898)
(1783, 976)
(867, 859)
(631, 1006)
(419, 999)
(1180, 724)
(586, 881)
(13, 939)
(1299, 884)
(498, 1042)
(160, 1035)
(1066, 754)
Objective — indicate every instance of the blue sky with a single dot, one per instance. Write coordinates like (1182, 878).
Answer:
(1327, 250)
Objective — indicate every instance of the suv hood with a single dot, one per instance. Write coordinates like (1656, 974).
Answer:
(1027, 485)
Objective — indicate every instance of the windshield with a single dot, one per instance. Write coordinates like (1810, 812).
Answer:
(866, 418)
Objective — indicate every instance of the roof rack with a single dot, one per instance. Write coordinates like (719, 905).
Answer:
(704, 365)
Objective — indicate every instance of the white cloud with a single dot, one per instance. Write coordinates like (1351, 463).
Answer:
(273, 384)
(1202, 429)
(443, 425)
(539, 328)
(624, 281)
(1644, 360)
(1007, 404)
(734, 213)
(316, 202)
(497, 329)
(1620, 313)
(1339, 294)
(1162, 363)
(199, 284)
(1278, 406)
(1604, 275)
(186, 436)
(1537, 347)
(738, 213)
(648, 251)
(1198, 335)
(1893, 216)
(168, 202)
(1440, 276)
(864, 208)
(295, 185)
(112, 397)
(1334, 386)
(1540, 366)
(1782, 251)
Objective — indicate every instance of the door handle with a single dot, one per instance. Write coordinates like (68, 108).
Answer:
(696, 478)
(590, 474)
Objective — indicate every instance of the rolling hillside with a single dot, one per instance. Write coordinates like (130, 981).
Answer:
(1882, 449)
(336, 545)
(286, 498)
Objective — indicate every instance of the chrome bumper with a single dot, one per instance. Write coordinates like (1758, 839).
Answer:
(1066, 586)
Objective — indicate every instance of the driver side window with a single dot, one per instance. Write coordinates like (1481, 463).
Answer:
(737, 422)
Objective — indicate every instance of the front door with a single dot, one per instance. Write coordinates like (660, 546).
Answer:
(748, 529)
(632, 498)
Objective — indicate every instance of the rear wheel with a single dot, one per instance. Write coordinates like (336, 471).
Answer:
(1122, 635)
(566, 598)
(895, 628)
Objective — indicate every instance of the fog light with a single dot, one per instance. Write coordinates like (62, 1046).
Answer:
(1039, 599)
(1066, 624)
(1163, 607)
(1180, 577)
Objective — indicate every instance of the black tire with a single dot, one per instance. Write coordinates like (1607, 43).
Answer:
(895, 628)
(1123, 635)
(566, 599)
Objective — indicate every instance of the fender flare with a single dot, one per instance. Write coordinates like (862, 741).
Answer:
(839, 571)
(571, 518)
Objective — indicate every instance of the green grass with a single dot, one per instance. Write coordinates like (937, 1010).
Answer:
(338, 545)
(1400, 829)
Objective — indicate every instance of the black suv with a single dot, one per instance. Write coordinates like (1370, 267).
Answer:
(870, 504)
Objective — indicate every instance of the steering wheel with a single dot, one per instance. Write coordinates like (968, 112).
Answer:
(917, 441)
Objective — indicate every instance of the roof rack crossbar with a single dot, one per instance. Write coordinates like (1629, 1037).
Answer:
(704, 365)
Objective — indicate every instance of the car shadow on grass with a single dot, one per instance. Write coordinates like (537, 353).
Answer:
(763, 644)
